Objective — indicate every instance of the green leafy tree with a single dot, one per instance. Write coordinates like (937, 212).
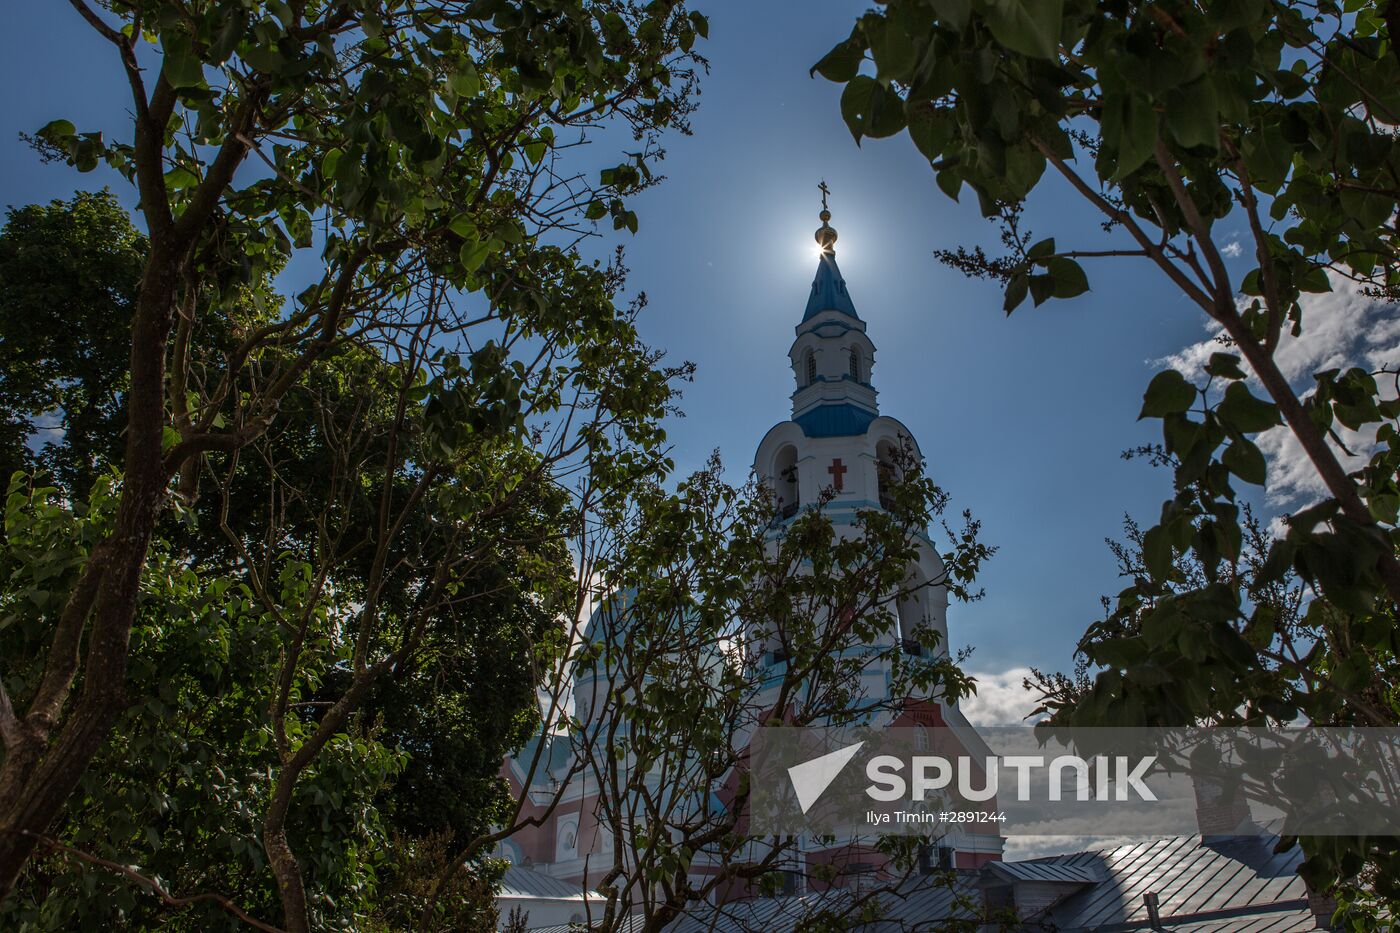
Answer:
(698, 593)
(414, 769)
(182, 782)
(69, 274)
(1173, 122)
(414, 154)
(1167, 119)
(442, 717)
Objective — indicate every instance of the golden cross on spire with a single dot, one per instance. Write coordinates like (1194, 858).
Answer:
(826, 236)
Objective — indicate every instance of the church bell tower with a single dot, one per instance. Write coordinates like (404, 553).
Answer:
(838, 443)
(837, 449)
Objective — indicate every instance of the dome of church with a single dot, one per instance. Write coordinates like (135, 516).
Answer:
(610, 619)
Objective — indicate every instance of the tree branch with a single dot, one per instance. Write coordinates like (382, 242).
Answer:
(1153, 250)
(1224, 293)
(1262, 254)
(150, 884)
(9, 725)
(95, 21)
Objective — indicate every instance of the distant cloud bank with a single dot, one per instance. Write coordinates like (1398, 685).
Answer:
(1001, 700)
(1341, 329)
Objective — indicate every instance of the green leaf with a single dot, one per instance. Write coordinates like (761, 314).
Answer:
(1024, 166)
(1193, 118)
(1240, 410)
(954, 13)
(180, 178)
(1070, 279)
(627, 219)
(1168, 393)
(855, 104)
(1259, 632)
(226, 39)
(1016, 290)
(1136, 133)
(892, 48)
(1243, 459)
(463, 226)
(1370, 209)
(930, 129)
(1157, 552)
(1225, 366)
(1315, 280)
(466, 82)
(1180, 433)
(182, 67)
(1268, 155)
(871, 109)
(950, 183)
(473, 253)
(842, 63)
(57, 131)
(1042, 288)
(1031, 27)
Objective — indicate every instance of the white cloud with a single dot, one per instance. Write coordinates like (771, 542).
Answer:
(1001, 699)
(1341, 329)
(1024, 847)
(1232, 250)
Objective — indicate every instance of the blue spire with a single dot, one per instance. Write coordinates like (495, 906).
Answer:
(829, 290)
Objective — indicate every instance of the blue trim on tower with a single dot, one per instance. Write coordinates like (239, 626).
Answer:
(829, 291)
(843, 420)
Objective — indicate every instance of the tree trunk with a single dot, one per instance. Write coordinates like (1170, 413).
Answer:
(37, 778)
(285, 870)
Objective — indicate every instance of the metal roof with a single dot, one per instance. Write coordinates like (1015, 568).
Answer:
(919, 899)
(843, 420)
(1050, 869)
(626, 925)
(1237, 885)
(526, 882)
(829, 291)
(916, 904)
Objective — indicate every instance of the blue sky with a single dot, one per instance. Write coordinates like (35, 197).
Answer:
(1021, 419)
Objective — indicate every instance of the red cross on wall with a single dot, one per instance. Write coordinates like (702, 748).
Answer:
(838, 472)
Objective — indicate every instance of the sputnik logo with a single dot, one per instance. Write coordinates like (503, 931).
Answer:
(811, 778)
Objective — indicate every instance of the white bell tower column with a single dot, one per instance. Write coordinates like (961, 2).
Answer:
(837, 442)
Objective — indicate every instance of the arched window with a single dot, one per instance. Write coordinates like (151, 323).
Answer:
(809, 367)
(887, 471)
(921, 738)
(912, 614)
(855, 364)
(566, 843)
(785, 481)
